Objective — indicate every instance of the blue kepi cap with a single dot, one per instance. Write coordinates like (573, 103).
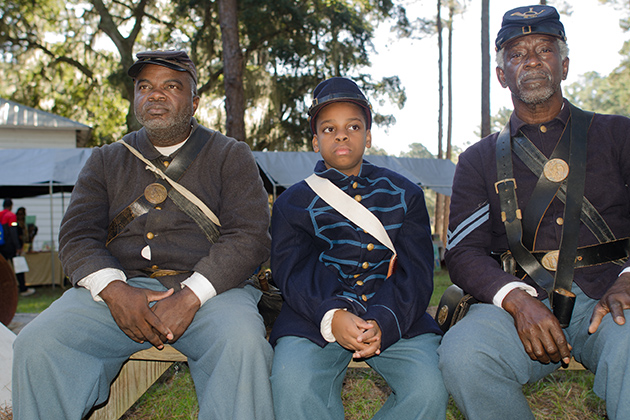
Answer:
(526, 20)
(338, 89)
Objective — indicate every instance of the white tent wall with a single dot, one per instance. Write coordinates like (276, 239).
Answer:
(47, 223)
(37, 139)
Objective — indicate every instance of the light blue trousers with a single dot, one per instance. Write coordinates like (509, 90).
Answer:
(307, 380)
(65, 359)
(485, 365)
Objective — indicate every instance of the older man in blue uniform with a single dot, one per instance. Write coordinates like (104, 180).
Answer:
(549, 198)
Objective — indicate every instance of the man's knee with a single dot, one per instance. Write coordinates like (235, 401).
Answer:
(458, 353)
(34, 340)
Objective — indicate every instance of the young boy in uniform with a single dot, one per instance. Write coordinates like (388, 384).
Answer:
(340, 303)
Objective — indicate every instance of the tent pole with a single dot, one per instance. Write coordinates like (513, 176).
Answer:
(52, 236)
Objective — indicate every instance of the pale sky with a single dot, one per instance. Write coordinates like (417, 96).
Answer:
(593, 35)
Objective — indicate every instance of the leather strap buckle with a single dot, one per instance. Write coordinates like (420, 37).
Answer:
(504, 181)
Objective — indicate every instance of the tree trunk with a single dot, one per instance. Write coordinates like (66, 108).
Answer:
(233, 70)
(485, 68)
(439, 198)
(449, 81)
(440, 79)
(445, 201)
(125, 49)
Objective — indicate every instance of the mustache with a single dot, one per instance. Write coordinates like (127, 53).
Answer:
(533, 74)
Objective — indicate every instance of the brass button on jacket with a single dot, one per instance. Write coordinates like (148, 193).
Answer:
(359, 283)
(150, 235)
(370, 247)
(364, 298)
(365, 265)
(358, 198)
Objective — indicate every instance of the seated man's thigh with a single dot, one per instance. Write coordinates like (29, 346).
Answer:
(76, 321)
(228, 319)
(486, 339)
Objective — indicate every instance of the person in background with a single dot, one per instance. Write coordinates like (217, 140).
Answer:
(25, 245)
(12, 246)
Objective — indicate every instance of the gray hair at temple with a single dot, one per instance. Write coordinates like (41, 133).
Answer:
(563, 48)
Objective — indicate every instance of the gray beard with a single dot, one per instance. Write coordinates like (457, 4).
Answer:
(163, 135)
(536, 96)
(169, 136)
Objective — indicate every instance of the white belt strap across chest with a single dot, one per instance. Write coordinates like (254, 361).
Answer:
(350, 208)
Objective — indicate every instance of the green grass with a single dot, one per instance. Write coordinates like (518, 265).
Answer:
(563, 395)
(43, 297)
(441, 281)
(171, 397)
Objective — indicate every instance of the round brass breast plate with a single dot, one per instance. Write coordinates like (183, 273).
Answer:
(556, 170)
(155, 193)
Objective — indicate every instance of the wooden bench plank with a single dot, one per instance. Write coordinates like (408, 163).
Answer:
(168, 353)
(136, 376)
(574, 365)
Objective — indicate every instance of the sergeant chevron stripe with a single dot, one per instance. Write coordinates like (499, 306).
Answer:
(468, 225)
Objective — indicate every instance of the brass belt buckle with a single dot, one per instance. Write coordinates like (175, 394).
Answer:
(550, 260)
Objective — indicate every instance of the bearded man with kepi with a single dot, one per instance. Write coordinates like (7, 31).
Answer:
(541, 209)
(162, 232)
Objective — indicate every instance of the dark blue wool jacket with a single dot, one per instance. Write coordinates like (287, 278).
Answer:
(322, 261)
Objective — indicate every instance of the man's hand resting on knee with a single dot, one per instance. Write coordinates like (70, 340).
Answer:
(130, 308)
(177, 312)
(615, 301)
(539, 330)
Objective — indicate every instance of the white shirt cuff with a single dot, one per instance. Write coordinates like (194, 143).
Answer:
(201, 287)
(100, 279)
(625, 270)
(325, 327)
(503, 292)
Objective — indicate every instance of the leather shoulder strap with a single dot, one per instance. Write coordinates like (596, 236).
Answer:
(511, 214)
(580, 124)
(182, 197)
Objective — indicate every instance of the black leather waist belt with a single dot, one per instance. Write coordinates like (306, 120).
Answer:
(616, 252)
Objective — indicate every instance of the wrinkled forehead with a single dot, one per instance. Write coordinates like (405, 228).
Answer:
(533, 39)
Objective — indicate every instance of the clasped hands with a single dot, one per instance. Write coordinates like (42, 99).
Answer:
(354, 333)
(163, 322)
(540, 331)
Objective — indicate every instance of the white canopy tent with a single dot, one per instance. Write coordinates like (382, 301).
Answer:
(36, 172)
(280, 170)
